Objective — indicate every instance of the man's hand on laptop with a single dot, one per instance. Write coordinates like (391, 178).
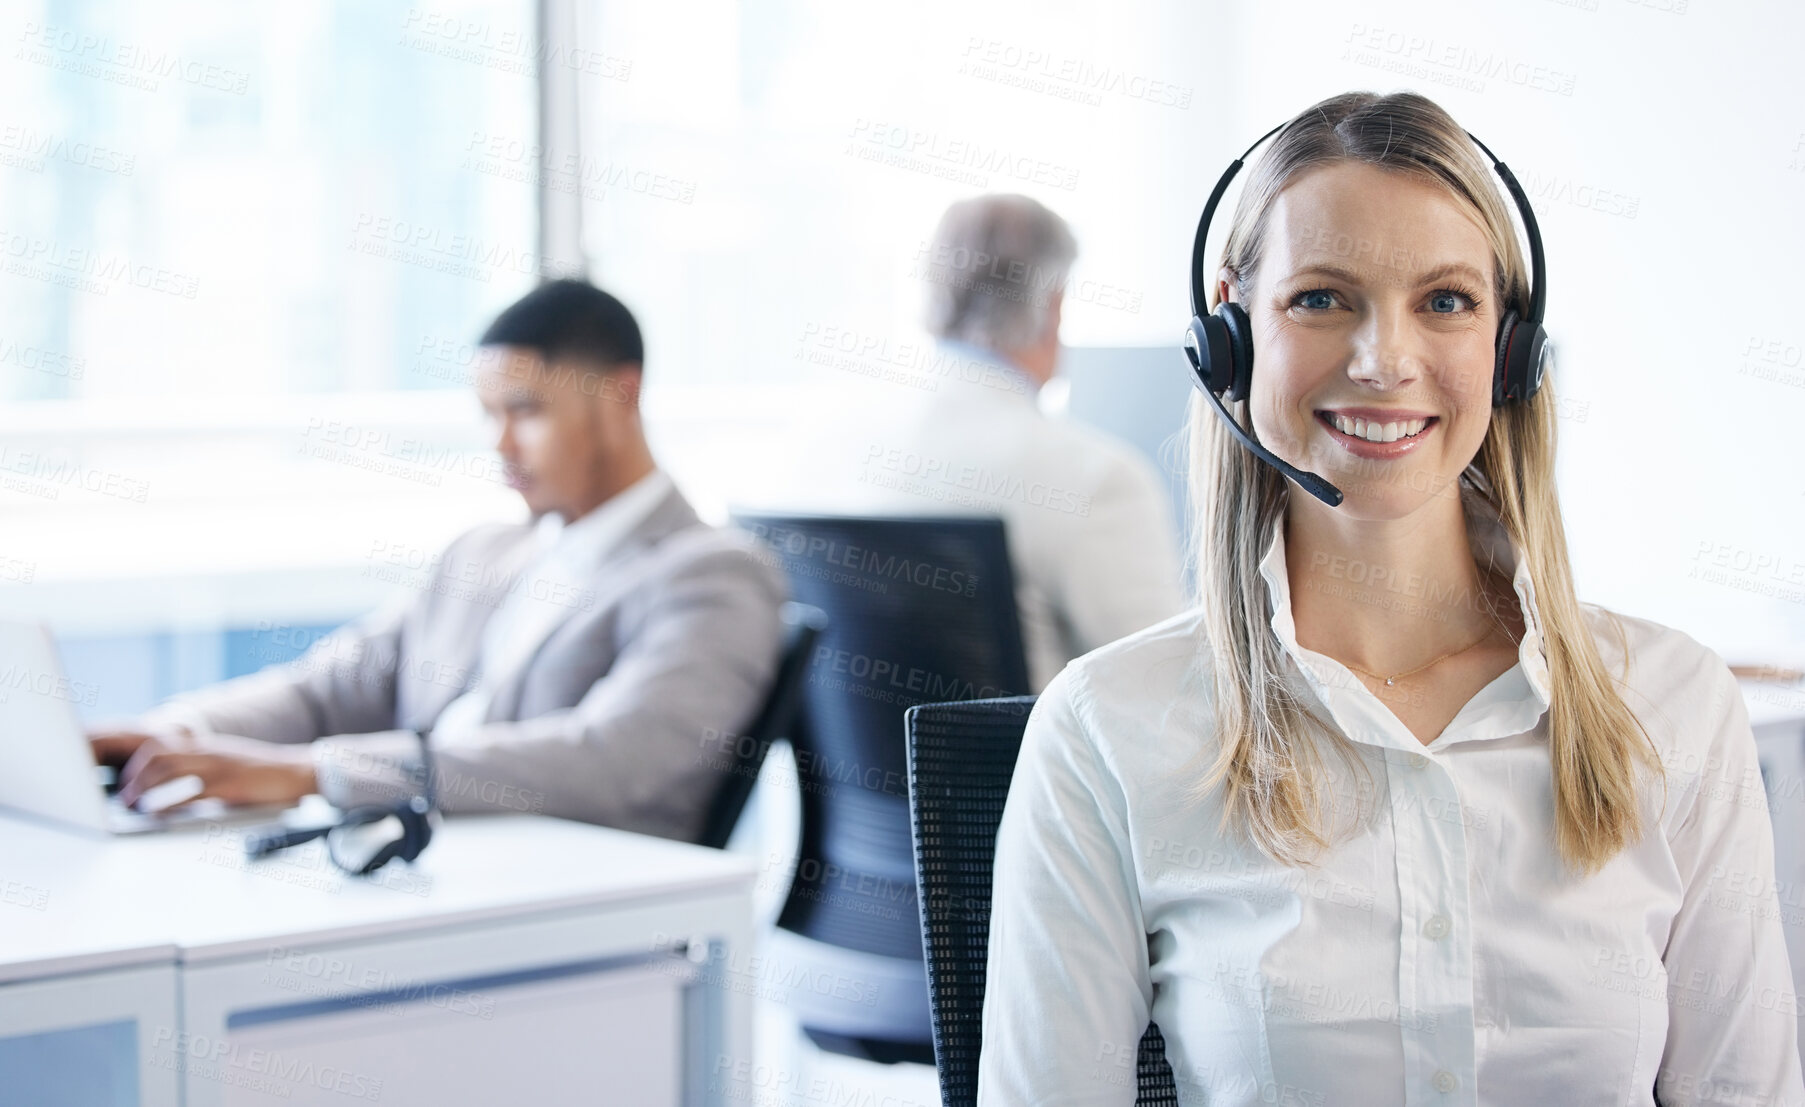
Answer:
(232, 769)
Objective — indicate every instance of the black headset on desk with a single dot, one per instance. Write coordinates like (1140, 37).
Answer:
(1220, 345)
(360, 842)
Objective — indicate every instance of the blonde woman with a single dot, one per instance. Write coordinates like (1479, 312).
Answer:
(1391, 816)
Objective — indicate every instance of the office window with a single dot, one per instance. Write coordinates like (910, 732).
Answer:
(207, 201)
(244, 252)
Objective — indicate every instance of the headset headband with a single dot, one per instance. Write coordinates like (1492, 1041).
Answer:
(1536, 286)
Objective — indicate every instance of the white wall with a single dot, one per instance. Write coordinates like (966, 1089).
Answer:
(1675, 449)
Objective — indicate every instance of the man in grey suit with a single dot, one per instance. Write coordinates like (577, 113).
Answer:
(576, 666)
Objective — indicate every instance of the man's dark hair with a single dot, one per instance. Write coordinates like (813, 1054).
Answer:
(569, 318)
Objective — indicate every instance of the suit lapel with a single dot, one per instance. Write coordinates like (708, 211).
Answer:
(672, 513)
(457, 634)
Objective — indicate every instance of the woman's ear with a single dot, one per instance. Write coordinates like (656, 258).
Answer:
(1225, 286)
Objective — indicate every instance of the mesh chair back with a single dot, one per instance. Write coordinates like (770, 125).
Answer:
(919, 610)
(961, 759)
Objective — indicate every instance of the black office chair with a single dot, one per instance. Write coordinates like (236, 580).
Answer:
(961, 758)
(802, 626)
(919, 610)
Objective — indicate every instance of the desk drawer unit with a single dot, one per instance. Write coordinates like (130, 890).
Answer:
(94, 1039)
(573, 1008)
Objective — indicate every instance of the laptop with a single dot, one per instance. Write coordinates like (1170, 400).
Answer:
(47, 768)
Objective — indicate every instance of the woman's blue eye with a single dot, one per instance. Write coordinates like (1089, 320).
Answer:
(1448, 301)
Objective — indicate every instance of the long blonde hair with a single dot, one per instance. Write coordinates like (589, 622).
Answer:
(1270, 775)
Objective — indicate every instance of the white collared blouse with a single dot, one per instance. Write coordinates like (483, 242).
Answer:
(1439, 954)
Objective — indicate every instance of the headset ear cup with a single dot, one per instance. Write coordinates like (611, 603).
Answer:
(416, 822)
(1240, 341)
(1207, 346)
(1501, 367)
(1517, 377)
(1527, 379)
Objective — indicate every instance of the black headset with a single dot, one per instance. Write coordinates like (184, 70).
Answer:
(354, 849)
(1220, 345)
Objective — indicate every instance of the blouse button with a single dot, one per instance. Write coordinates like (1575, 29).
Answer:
(1444, 1081)
(1435, 928)
(1418, 761)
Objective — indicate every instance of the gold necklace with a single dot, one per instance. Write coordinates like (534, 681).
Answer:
(1400, 676)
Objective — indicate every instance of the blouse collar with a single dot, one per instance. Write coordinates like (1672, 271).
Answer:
(1509, 705)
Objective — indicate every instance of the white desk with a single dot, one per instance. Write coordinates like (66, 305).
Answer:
(520, 960)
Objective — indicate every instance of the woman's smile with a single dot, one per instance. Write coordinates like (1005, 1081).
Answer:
(1376, 439)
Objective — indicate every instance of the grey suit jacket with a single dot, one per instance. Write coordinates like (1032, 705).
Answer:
(617, 718)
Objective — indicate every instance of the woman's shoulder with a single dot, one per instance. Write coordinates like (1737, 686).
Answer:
(1653, 657)
(1646, 642)
(1148, 659)
(1154, 681)
(1679, 687)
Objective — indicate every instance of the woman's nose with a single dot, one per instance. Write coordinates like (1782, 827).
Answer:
(1387, 350)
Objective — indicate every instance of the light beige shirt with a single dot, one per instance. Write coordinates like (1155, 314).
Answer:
(1092, 543)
